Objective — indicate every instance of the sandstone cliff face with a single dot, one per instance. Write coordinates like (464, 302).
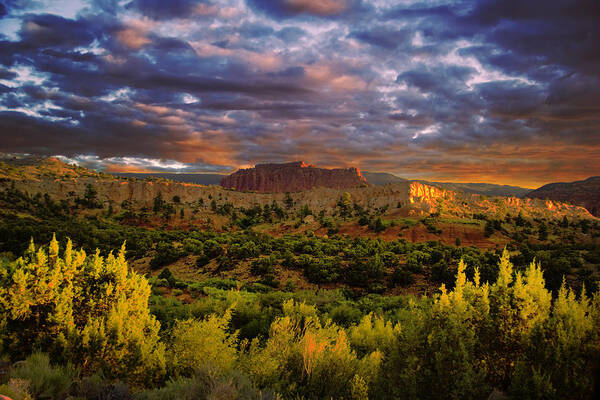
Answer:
(584, 193)
(291, 177)
(429, 194)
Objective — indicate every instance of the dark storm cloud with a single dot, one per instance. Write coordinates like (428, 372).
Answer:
(416, 88)
(436, 79)
(39, 31)
(161, 9)
(6, 74)
(387, 38)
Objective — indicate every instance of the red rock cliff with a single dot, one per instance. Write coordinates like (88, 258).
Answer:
(291, 177)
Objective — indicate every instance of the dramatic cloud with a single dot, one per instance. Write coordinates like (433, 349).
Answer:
(503, 91)
(289, 8)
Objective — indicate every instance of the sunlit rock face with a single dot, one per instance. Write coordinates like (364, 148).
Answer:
(292, 177)
(584, 193)
(421, 193)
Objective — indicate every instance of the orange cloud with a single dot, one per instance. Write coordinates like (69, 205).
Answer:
(327, 75)
(158, 110)
(135, 34)
(264, 61)
(132, 38)
(320, 7)
(125, 168)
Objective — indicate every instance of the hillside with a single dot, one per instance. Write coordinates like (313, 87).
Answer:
(487, 189)
(584, 193)
(46, 196)
(65, 182)
(101, 210)
(381, 178)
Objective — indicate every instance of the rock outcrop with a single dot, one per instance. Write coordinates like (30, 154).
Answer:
(582, 193)
(292, 177)
(419, 192)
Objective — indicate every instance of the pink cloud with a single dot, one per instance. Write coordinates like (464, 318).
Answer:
(328, 76)
(320, 7)
(135, 33)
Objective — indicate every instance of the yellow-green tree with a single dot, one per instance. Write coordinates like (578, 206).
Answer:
(203, 344)
(509, 335)
(89, 310)
(305, 358)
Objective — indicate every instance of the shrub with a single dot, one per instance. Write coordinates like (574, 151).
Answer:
(165, 253)
(96, 387)
(16, 389)
(45, 381)
(92, 311)
(402, 277)
(302, 349)
(167, 275)
(206, 384)
(202, 260)
(193, 246)
(203, 343)
(263, 266)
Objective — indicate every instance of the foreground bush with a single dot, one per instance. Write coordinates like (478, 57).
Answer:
(43, 380)
(305, 358)
(87, 310)
(207, 384)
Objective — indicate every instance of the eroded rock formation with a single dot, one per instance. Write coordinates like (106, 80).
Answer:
(292, 177)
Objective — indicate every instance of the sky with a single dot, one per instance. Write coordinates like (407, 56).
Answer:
(480, 91)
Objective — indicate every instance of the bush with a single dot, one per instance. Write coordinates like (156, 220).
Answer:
(95, 387)
(378, 225)
(212, 248)
(202, 344)
(16, 389)
(263, 266)
(206, 384)
(193, 246)
(165, 253)
(91, 311)
(167, 275)
(44, 380)
(402, 277)
(202, 260)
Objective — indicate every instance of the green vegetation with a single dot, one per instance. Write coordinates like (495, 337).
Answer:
(92, 318)
(290, 301)
(359, 263)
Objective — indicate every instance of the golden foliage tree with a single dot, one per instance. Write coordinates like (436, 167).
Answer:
(89, 310)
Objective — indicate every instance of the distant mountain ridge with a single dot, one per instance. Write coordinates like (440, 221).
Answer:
(382, 178)
(196, 178)
(584, 193)
(372, 178)
(487, 189)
